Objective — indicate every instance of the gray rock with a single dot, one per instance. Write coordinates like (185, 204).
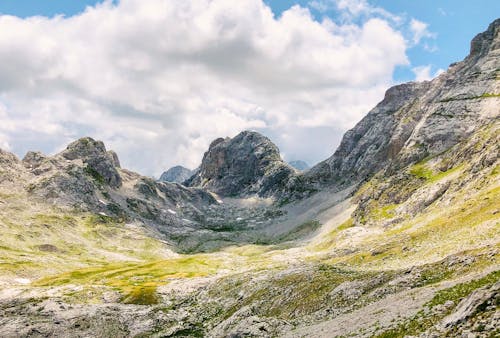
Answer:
(33, 159)
(100, 163)
(114, 158)
(469, 305)
(7, 159)
(248, 164)
(177, 174)
(416, 120)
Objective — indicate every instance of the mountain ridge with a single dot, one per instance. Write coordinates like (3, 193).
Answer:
(396, 234)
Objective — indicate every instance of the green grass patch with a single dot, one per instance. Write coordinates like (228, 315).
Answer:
(141, 295)
(385, 212)
(137, 281)
(423, 171)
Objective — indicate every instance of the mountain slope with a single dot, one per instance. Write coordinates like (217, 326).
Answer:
(397, 234)
(416, 120)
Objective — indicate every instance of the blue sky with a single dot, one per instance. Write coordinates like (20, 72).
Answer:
(454, 22)
(158, 80)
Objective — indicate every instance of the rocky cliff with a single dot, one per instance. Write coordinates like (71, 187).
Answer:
(416, 120)
(248, 164)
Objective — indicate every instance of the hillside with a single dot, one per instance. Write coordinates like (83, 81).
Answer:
(396, 234)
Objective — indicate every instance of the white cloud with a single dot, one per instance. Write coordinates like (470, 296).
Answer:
(420, 30)
(424, 73)
(350, 9)
(158, 80)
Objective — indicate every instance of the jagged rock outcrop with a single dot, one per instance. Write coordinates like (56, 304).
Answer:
(8, 160)
(11, 168)
(177, 174)
(480, 298)
(99, 162)
(248, 164)
(416, 120)
(299, 165)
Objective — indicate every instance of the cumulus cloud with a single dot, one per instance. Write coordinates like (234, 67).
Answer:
(351, 9)
(424, 73)
(420, 30)
(158, 80)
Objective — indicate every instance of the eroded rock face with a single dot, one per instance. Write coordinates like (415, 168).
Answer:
(469, 306)
(99, 161)
(11, 168)
(7, 160)
(248, 164)
(416, 120)
(177, 174)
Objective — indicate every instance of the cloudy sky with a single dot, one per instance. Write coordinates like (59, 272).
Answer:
(158, 80)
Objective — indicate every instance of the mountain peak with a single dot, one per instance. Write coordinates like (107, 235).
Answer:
(247, 164)
(488, 40)
(177, 174)
(417, 120)
(94, 154)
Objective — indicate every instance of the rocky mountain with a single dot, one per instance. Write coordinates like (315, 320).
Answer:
(299, 165)
(248, 164)
(177, 174)
(395, 235)
(417, 120)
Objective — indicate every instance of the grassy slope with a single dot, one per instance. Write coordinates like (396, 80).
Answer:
(91, 250)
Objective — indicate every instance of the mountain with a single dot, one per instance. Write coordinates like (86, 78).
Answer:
(299, 165)
(395, 235)
(177, 174)
(248, 164)
(418, 120)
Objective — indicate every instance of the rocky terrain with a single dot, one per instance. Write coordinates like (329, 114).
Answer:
(177, 174)
(246, 165)
(396, 235)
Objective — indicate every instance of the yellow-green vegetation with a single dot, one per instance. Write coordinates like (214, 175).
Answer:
(329, 240)
(432, 235)
(376, 211)
(490, 95)
(293, 294)
(39, 241)
(137, 282)
(346, 225)
(461, 290)
(482, 96)
(424, 171)
(303, 230)
(387, 211)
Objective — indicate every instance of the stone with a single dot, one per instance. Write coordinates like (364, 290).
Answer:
(100, 163)
(469, 305)
(248, 164)
(177, 174)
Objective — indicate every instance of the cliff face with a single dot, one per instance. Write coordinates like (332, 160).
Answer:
(416, 120)
(248, 164)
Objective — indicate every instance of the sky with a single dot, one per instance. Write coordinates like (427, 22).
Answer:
(158, 80)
